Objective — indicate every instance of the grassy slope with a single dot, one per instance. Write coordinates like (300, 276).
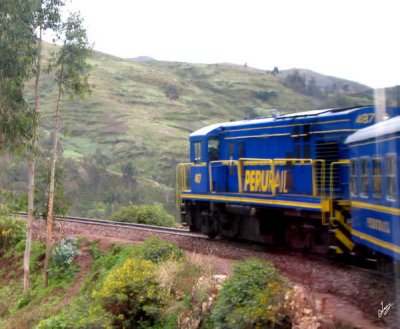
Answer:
(129, 117)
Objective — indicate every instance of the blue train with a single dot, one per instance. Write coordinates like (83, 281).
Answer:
(320, 180)
(374, 183)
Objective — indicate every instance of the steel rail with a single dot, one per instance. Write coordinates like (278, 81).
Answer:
(109, 223)
(184, 232)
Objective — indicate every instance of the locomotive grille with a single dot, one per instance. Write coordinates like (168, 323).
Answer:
(328, 151)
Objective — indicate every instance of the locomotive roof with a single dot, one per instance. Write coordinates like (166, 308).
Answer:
(208, 130)
(383, 128)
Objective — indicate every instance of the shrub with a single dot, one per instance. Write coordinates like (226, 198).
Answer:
(172, 92)
(94, 249)
(131, 293)
(23, 301)
(253, 297)
(158, 251)
(65, 252)
(12, 231)
(145, 214)
(92, 318)
(265, 95)
(178, 277)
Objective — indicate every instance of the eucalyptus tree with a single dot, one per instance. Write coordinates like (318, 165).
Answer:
(72, 78)
(17, 55)
(22, 23)
(47, 16)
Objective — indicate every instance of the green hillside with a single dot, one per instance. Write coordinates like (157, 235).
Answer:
(133, 129)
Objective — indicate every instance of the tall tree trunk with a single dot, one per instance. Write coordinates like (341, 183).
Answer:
(50, 211)
(31, 172)
(29, 227)
(1, 139)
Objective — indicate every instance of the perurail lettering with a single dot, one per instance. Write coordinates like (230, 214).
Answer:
(265, 181)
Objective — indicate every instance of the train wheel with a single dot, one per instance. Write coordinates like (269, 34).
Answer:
(386, 264)
(209, 224)
(294, 237)
(228, 225)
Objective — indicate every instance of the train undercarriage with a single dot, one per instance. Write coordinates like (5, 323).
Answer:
(286, 228)
(293, 229)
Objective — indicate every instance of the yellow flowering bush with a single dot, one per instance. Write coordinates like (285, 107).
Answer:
(132, 294)
(12, 231)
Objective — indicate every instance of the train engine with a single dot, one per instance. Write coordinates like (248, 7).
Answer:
(282, 180)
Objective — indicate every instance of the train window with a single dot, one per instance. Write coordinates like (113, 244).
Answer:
(231, 148)
(307, 151)
(296, 133)
(377, 177)
(297, 151)
(197, 152)
(241, 150)
(213, 149)
(306, 132)
(391, 176)
(364, 177)
(353, 178)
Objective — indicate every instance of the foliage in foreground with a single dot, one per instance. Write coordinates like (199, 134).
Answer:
(158, 251)
(154, 285)
(131, 293)
(253, 297)
(19, 310)
(145, 214)
(12, 232)
(64, 254)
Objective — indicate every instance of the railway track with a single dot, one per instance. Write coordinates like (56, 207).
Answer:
(344, 263)
(237, 243)
(136, 226)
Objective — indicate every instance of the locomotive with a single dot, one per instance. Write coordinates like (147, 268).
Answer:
(322, 180)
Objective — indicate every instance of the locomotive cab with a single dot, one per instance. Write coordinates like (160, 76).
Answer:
(203, 150)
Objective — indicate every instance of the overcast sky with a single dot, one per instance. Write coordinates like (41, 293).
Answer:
(352, 39)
